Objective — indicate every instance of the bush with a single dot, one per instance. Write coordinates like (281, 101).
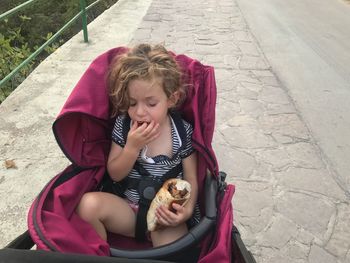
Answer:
(22, 33)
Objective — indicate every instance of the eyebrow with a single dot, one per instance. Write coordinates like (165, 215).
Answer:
(147, 98)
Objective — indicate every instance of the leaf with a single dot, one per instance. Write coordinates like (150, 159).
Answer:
(24, 17)
(10, 164)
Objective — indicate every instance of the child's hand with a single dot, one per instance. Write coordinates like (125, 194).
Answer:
(167, 218)
(139, 136)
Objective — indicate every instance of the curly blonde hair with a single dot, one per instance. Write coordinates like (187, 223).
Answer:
(143, 62)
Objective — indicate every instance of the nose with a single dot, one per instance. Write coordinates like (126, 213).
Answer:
(140, 110)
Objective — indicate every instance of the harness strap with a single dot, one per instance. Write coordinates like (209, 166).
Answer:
(141, 222)
(133, 183)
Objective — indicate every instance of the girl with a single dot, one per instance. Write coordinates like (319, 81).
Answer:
(144, 85)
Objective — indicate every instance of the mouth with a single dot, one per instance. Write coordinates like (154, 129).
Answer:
(139, 123)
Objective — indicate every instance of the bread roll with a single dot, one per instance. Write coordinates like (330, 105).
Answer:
(173, 191)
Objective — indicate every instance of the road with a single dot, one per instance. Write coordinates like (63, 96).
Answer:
(308, 46)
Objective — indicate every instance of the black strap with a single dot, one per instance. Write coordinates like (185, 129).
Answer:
(133, 183)
(147, 189)
(110, 186)
(126, 127)
(141, 220)
(179, 126)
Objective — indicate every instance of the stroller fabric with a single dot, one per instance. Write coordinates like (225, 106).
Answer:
(83, 131)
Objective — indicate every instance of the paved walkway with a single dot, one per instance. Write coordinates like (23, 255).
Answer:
(287, 205)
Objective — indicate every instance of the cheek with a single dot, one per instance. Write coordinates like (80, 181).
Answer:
(131, 111)
(160, 112)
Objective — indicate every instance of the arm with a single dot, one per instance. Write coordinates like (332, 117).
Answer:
(190, 174)
(121, 160)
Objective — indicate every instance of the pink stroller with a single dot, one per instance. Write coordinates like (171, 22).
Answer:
(83, 131)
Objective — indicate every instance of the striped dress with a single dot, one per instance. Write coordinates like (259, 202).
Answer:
(159, 165)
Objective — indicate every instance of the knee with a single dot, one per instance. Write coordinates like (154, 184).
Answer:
(167, 235)
(89, 206)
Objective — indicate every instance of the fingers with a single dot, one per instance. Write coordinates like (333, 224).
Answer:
(134, 126)
(152, 131)
(162, 219)
(139, 136)
(178, 208)
(167, 218)
(149, 132)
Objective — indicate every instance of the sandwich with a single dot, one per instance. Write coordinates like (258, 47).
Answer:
(173, 191)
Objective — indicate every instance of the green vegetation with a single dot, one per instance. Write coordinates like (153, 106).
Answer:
(22, 33)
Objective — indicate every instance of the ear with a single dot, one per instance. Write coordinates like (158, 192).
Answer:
(173, 99)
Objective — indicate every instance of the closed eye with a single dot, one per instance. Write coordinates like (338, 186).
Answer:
(152, 104)
(132, 103)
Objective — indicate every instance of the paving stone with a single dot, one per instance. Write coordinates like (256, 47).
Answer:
(310, 180)
(279, 232)
(281, 125)
(234, 162)
(253, 208)
(231, 61)
(339, 242)
(245, 137)
(312, 213)
(305, 155)
(319, 255)
(240, 120)
(246, 93)
(242, 36)
(347, 258)
(252, 62)
(251, 197)
(256, 87)
(249, 48)
(274, 108)
(293, 253)
(274, 95)
(278, 158)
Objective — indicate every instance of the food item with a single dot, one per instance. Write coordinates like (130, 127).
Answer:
(173, 191)
(139, 123)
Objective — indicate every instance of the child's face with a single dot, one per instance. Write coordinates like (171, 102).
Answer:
(148, 101)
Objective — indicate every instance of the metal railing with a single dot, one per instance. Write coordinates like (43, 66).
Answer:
(82, 14)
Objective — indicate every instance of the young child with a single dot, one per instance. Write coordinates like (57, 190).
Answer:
(145, 85)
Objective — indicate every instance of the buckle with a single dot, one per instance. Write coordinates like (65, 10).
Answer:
(222, 185)
(149, 192)
(148, 188)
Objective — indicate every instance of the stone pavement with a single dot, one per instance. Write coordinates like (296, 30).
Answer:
(287, 205)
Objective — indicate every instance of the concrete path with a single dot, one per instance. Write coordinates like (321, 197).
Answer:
(287, 205)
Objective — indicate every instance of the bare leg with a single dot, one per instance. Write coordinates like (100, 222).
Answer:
(109, 212)
(168, 235)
